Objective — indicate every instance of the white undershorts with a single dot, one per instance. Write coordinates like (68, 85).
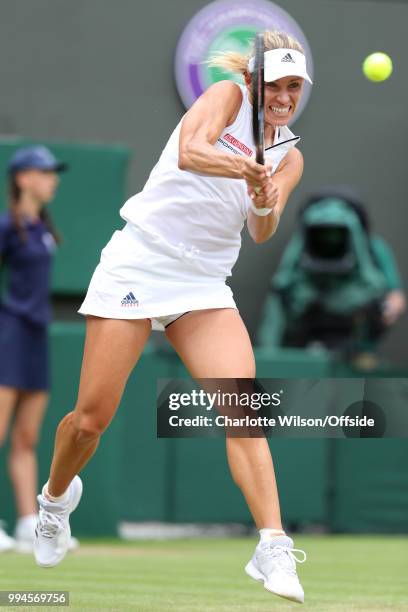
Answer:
(142, 276)
(167, 320)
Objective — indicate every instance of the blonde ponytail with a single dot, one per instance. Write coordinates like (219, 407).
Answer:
(232, 61)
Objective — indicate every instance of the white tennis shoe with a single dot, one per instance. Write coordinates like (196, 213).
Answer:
(274, 564)
(25, 535)
(53, 533)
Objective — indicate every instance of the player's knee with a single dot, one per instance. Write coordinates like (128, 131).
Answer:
(90, 423)
(88, 430)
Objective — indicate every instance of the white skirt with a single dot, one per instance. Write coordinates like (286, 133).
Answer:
(142, 276)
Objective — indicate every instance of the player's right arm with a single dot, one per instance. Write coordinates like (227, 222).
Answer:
(201, 127)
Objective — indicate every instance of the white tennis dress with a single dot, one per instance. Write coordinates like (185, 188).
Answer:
(182, 237)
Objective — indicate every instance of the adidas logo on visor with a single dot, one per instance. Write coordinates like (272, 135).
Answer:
(288, 58)
(130, 300)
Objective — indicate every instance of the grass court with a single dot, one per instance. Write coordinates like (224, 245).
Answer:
(342, 573)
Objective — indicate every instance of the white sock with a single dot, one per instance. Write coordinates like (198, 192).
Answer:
(267, 534)
(60, 498)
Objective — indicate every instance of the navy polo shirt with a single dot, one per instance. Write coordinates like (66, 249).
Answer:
(28, 267)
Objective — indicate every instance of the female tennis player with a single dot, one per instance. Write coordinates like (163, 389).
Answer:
(166, 270)
(27, 243)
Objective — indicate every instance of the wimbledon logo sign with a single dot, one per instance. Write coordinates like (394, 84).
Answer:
(228, 25)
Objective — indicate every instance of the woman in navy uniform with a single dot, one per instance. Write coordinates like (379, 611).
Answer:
(27, 243)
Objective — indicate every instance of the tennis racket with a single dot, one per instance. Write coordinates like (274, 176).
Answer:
(258, 99)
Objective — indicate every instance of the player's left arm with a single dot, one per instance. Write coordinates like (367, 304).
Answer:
(274, 196)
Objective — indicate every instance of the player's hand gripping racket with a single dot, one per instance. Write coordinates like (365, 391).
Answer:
(258, 100)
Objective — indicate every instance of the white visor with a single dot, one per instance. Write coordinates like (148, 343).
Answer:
(280, 63)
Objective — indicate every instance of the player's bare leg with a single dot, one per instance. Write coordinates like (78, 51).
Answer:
(215, 344)
(112, 348)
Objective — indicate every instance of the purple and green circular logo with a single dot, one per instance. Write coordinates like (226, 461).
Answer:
(228, 25)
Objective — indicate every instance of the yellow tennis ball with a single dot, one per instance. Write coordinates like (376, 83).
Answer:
(377, 67)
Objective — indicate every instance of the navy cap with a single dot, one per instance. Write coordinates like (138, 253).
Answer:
(36, 157)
